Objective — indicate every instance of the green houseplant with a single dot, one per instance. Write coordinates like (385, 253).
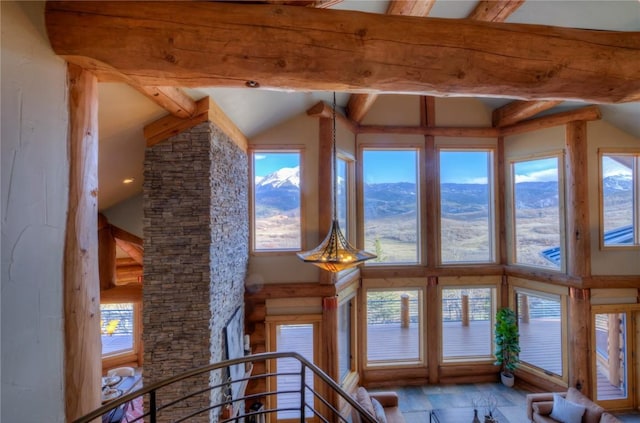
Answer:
(507, 344)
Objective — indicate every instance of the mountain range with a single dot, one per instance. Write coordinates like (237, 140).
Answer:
(279, 192)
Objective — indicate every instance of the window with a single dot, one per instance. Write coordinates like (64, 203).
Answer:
(391, 229)
(346, 323)
(301, 338)
(117, 328)
(276, 200)
(537, 213)
(620, 187)
(466, 206)
(467, 323)
(342, 195)
(393, 325)
(540, 326)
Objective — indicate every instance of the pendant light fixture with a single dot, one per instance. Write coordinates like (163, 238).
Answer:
(335, 253)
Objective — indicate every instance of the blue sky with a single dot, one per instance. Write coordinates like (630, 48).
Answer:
(400, 166)
(265, 164)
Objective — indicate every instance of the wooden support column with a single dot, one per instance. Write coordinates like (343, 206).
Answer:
(613, 345)
(429, 170)
(404, 311)
(579, 339)
(81, 275)
(106, 254)
(524, 308)
(465, 310)
(501, 209)
(578, 255)
(433, 330)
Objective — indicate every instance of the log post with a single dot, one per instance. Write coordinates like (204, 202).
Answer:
(465, 310)
(524, 308)
(576, 175)
(404, 310)
(81, 275)
(614, 348)
(579, 339)
(106, 254)
(433, 329)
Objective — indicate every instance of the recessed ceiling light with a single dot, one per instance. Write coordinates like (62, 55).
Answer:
(128, 180)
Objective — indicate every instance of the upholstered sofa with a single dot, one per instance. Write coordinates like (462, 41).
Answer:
(388, 402)
(540, 406)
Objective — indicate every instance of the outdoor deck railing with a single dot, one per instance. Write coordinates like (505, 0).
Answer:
(314, 397)
(385, 311)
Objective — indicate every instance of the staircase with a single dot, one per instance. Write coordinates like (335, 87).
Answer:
(316, 396)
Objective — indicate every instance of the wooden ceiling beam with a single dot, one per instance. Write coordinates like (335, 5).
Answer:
(494, 10)
(223, 44)
(360, 104)
(172, 99)
(499, 11)
(517, 111)
(586, 114)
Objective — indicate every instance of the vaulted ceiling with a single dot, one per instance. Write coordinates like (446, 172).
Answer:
(297, 54)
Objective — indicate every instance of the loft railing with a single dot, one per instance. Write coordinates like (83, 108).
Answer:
(318, 395)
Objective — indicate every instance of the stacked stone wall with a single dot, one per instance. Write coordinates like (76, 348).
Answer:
(195, 258)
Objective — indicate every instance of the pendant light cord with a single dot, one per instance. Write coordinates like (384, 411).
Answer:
(334, 155)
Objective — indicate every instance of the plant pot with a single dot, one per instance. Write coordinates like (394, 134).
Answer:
(507, 380)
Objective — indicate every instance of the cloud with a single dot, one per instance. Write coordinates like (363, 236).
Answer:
(259, 156)
(545, 175)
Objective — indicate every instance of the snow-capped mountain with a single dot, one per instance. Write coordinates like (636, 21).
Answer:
(287, 176)
(617, 183)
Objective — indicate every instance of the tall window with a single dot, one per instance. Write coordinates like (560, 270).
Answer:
(537, 213)
(467, 322)
(346, 323)
(298, 337)
(342, 195)
(276, 200)
(620, 199)
(391, 229)
(466, 206)
(117, 323)
(393, 325)
(540, 326)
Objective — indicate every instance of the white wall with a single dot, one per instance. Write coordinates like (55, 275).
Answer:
(34, 204)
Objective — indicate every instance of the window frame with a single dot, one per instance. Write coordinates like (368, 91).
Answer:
(492, 203)
(483, 283)
(275, 149)
(381, 286)
(541, 289)
(635, 192)
(350, 230)
(513, 256)
(134, 353)
(420, 201)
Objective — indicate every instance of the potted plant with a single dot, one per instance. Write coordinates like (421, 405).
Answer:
(507, 344)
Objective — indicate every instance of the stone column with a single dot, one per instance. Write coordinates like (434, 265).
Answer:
(195, 258)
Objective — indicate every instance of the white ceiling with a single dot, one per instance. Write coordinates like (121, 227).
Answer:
(123, 112)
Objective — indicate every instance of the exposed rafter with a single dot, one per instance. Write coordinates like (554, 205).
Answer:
(494, 10)
(520, 110)
(172, 99)
(206, 110)
(360, 104)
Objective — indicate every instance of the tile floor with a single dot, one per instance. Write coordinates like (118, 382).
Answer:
(417, 401)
